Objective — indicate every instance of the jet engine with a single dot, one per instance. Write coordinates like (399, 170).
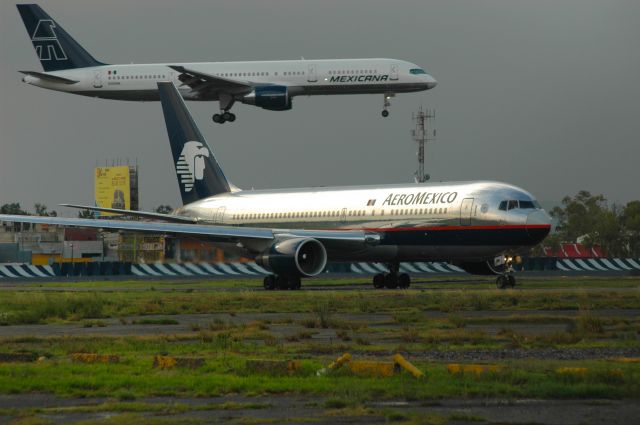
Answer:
(274, 98)
(302, 257)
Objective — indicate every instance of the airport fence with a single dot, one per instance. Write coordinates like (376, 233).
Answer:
(248, 269)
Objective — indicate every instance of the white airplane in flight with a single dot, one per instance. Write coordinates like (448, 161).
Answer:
(295, 232)
(267, 84)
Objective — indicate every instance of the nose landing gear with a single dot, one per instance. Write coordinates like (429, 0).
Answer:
(387, 103)
(507, 279)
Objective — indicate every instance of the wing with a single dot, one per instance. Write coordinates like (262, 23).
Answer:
(142, 214)
(248, 236)
(203, 83)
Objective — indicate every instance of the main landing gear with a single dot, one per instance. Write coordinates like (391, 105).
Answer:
(226, 102)
(273, 282)
(224, 117)
(393, 279)
(387, 103)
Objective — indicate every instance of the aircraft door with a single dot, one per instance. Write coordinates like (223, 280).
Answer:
(218, 215)
(312, 75)
(466, 208)
(393, 75)
(97, 79)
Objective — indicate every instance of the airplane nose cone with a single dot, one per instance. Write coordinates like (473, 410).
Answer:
(431, 83)
(538, 225)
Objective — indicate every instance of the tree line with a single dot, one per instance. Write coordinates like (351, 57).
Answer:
(592, 220)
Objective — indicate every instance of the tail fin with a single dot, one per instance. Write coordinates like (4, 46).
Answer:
(199, 174)
(54, 46)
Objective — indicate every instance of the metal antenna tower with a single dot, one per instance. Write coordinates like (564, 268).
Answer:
(423, 133)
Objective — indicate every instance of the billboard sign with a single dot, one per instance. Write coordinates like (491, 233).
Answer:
(113, 189)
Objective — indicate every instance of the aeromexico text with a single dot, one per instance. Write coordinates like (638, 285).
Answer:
(420, 198)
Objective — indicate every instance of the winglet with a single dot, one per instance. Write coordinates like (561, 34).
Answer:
(199, 174)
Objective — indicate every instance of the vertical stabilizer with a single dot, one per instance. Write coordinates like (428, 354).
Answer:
(199, 174)
(55, 48)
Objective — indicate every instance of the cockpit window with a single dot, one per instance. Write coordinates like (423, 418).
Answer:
(512, 204)
(417, 71)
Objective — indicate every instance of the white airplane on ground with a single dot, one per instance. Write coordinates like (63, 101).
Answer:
(295, 232)
(267, 84)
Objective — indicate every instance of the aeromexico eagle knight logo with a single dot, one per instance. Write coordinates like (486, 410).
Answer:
(191, 164)
(46, 41)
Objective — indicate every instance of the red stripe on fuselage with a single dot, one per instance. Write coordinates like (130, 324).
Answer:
(440, 228)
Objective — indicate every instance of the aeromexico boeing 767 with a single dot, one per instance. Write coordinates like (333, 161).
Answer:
(267, 84)
(294, 233)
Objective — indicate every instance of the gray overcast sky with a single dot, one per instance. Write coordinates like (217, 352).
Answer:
(544, 94)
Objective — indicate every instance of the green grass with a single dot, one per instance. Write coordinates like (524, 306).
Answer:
(369, 324)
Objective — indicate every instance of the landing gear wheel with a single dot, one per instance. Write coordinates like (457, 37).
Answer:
(217, 118)
(269, 283)
(232, 117)
(511, 280)
(404, 280)
(295, 283)
(227, 116)
(385, 113)
(391, 280)
(282, 283)
(502, 282)
(378, 281)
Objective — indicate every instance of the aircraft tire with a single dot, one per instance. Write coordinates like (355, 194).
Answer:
(502, 282)
(269, 283)
(391, 281)
(282, 283)
(217, 118)
(232, 117)
(404, 280)
(295, 283)
(378, 281)
(385, 113)
(227, 116)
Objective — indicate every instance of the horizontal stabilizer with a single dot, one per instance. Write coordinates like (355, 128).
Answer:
(49, 77)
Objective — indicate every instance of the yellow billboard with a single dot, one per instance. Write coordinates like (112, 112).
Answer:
(113, 189)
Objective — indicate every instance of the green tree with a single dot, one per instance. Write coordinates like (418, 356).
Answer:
(86, 214)
(589, 217)
(13, 209)
(631, 224)
(42, 210)
(164, 209)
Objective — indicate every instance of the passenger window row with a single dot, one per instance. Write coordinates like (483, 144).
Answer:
(353, 71)
(137, 77)
(322, 214)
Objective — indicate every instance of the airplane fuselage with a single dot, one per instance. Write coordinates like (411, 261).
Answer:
(414, 222)
(138, 82)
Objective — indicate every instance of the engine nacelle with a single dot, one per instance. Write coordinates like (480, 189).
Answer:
(274, 98)
(295, 257)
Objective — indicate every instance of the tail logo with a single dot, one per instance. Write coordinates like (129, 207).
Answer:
(191, 164)
(46, 41)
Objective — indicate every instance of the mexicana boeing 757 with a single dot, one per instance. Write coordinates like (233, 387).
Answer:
(295, 232)
(271, 85)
